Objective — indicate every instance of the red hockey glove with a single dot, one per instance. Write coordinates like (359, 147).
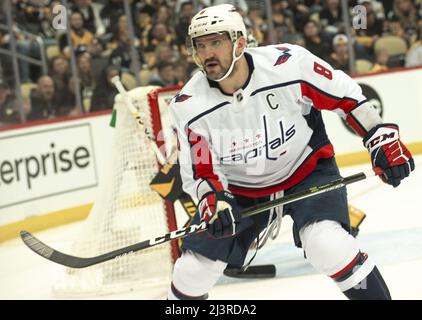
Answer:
(389, 153)
(221, 212)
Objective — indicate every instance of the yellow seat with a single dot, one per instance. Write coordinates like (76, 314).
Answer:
(314, 17)
(53, 51)
(144, 76)
(128, 81)
(86, 104)
(26, 89)
(363, 66)
(393, 44)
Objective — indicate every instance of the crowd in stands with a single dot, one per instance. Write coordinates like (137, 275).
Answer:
(101, 45)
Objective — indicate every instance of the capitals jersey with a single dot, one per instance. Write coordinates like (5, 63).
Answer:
(268, 135)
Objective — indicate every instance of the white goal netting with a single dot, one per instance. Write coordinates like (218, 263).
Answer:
(126, 211)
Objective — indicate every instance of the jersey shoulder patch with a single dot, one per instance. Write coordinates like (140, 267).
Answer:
(180, 97)
(284, 55)
(186, 93)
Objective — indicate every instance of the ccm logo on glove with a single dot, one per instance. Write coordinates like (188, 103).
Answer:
(386, 137)
(389, 153)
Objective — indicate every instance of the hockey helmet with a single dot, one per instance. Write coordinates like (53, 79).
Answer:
(217, 19)
(222, 18)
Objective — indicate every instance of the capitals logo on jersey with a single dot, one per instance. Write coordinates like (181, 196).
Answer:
(248, 148)
(181, 97)
(284, 57)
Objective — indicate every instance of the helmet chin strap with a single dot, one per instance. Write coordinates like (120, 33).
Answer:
(233, 62)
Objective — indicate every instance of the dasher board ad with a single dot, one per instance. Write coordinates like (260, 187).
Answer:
(43, 163)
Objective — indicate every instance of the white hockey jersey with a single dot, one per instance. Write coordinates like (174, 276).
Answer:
(268, 135)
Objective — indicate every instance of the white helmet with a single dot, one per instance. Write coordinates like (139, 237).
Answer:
(221, 18)
(217, 19)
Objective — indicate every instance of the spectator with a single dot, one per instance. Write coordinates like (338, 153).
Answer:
(80, 37)
(105, 91)
(59, 72)
(86, 75)
(395, 28)
(111, 13)
(186, 14)
(159, 35)
(121, 36)
(43, 102)
(163, 16)
(380, 8)
(283, 26)
(164, 52)
(29, 15)
(121, 25)
(282, 20)
(381, 59)
(256, 23)
(165, 75)
(9, 112)
(313, 40)
(181, 72)
(388, 7)
(299, 11)
(339, 59)
(85, 8)
(406, 13)
(414, 55)
(331, 16)
(145, 24)
(68, 105)
(120, 56)
(25, 45)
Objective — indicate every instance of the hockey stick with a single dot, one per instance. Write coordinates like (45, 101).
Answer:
(79, 262)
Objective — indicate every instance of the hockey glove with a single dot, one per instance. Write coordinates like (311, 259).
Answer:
(221, 212)
(389, 153)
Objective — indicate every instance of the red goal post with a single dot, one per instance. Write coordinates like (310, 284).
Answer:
(158, 100)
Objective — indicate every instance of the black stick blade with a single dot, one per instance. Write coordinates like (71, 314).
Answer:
(36, 245)
(49, 253)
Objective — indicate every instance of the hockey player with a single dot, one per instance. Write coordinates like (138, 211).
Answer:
(250, 128)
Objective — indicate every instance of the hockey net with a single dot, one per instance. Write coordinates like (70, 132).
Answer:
(127, 211)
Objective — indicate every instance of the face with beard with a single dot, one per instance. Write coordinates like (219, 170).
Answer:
(46, 87)
(214, 52)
